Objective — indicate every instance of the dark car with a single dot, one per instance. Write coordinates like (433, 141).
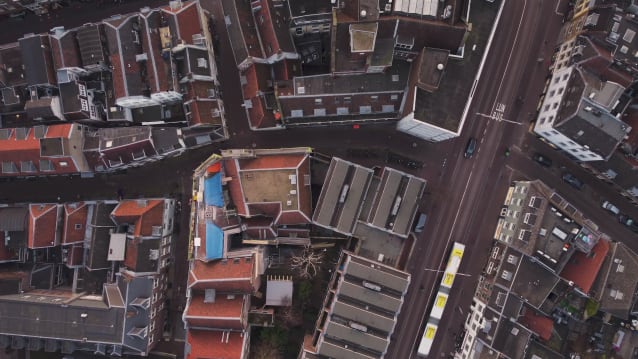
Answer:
(573, 181)
(629, 222)
(542, 159)
(470, 148)
(626, 220)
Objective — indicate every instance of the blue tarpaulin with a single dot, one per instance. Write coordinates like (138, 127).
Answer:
(214, 242)
(213, 190)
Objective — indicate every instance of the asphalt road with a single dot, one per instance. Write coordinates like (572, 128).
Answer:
(466, 209)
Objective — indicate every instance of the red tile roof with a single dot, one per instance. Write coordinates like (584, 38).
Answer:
(75, 218)
(43, 225)
(582, 268)
(256, 114)
(265, 209)
(234, 186)
(208, 344)
(118, 76)
(187, 20)
(272, 162)
(539, 324)
(226, 275)
(144, 214)
(224, 312)
(28, 149)
(205, 112)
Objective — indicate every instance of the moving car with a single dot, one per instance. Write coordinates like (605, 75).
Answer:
(470, 148)
(611, 208)
(573, 181)
(542, 160)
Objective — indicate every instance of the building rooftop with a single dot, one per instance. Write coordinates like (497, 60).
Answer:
(363, 37)
(582, 269)
(271, 183)
(615, 284)
(342, 196)
(623, 35)
(184, 21)
(11, 73)
(217, 311)
(228, 344)
(43, 225)
(511, 338)
(101, 226)
(368, 295)
(226, 275)
(242, 32)
(76, 216)
(37, 60)
(431, 67)
(144, 217)
(394, 79)
(271, 20)
(309, 8)
(597, 129)
(65, 48)
(79, 319)
(91, 46)
(395, 203)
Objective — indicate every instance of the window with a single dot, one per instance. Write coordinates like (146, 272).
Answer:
(318, 101)
(374, 98)
(9, 167)
(63, 164)
(394, 97)
(78, 226)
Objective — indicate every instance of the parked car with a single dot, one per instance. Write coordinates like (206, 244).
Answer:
(626, 220)
(573, 181)
(470, 148)
(611, 208)
(542, 159)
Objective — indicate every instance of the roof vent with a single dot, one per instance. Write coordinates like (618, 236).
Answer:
(364, 13)
(440, 67)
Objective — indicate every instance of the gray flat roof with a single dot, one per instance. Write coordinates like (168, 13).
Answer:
(397, 281)
(330, 212)
(369, 296)
(390, 182)
(393, 79)
(338, 352)
(363, 316)
(408, 207)
(356, 193)
(45, 317)
(395, 184)
(358, 337)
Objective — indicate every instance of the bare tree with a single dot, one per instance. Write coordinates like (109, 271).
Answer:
(290, 317)
(266, 350)
(307, 263)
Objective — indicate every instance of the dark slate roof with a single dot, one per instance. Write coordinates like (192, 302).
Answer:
(90, 43)
(37, 59)
(597, 129)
